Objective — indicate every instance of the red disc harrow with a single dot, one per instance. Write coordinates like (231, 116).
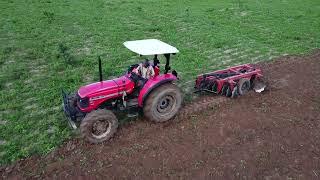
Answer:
(231, 82)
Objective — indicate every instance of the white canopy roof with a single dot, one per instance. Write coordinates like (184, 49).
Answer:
(150, 47)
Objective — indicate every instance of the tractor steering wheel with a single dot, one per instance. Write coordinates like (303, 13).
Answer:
(131, 68)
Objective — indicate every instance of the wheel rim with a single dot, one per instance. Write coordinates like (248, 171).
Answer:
(166, 104)
(100, 129)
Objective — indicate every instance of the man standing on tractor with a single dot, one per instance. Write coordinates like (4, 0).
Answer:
(145, 70)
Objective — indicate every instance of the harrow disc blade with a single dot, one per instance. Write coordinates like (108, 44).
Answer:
(229, 92)
(235, 92)
(224, 89)
(259, 87)
(214, 87)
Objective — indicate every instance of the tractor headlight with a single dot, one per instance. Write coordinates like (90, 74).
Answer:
(84, 102)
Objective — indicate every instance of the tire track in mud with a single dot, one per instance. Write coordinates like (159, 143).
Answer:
(201, 104)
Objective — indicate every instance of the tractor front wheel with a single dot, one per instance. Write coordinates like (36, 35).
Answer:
(163, 103)
(99, 125)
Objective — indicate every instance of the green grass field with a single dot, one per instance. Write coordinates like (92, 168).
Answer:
(46, 45)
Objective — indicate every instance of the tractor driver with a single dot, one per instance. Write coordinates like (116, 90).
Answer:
(145, 70)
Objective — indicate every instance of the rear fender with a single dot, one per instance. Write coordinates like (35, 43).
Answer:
(152, 84)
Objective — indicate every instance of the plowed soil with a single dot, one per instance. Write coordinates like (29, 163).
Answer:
(272, 135)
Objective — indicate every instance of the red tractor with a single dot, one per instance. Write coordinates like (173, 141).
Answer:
(142, 87)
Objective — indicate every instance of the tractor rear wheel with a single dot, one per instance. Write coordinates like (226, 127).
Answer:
(163, 103)
(99, 125)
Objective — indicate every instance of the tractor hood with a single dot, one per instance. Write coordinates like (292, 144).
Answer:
(104, 87)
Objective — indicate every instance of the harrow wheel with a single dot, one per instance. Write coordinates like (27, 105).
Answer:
(243, 86)
(258, 85)
(99, 125)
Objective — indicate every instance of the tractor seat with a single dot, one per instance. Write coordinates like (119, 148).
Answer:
(155, 66)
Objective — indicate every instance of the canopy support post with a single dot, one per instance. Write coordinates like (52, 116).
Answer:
(167, 67)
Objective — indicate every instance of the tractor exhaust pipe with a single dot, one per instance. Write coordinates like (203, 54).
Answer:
(100, 69)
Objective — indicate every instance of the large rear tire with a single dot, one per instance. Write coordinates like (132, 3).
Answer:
(163, 103)
(99, 125)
